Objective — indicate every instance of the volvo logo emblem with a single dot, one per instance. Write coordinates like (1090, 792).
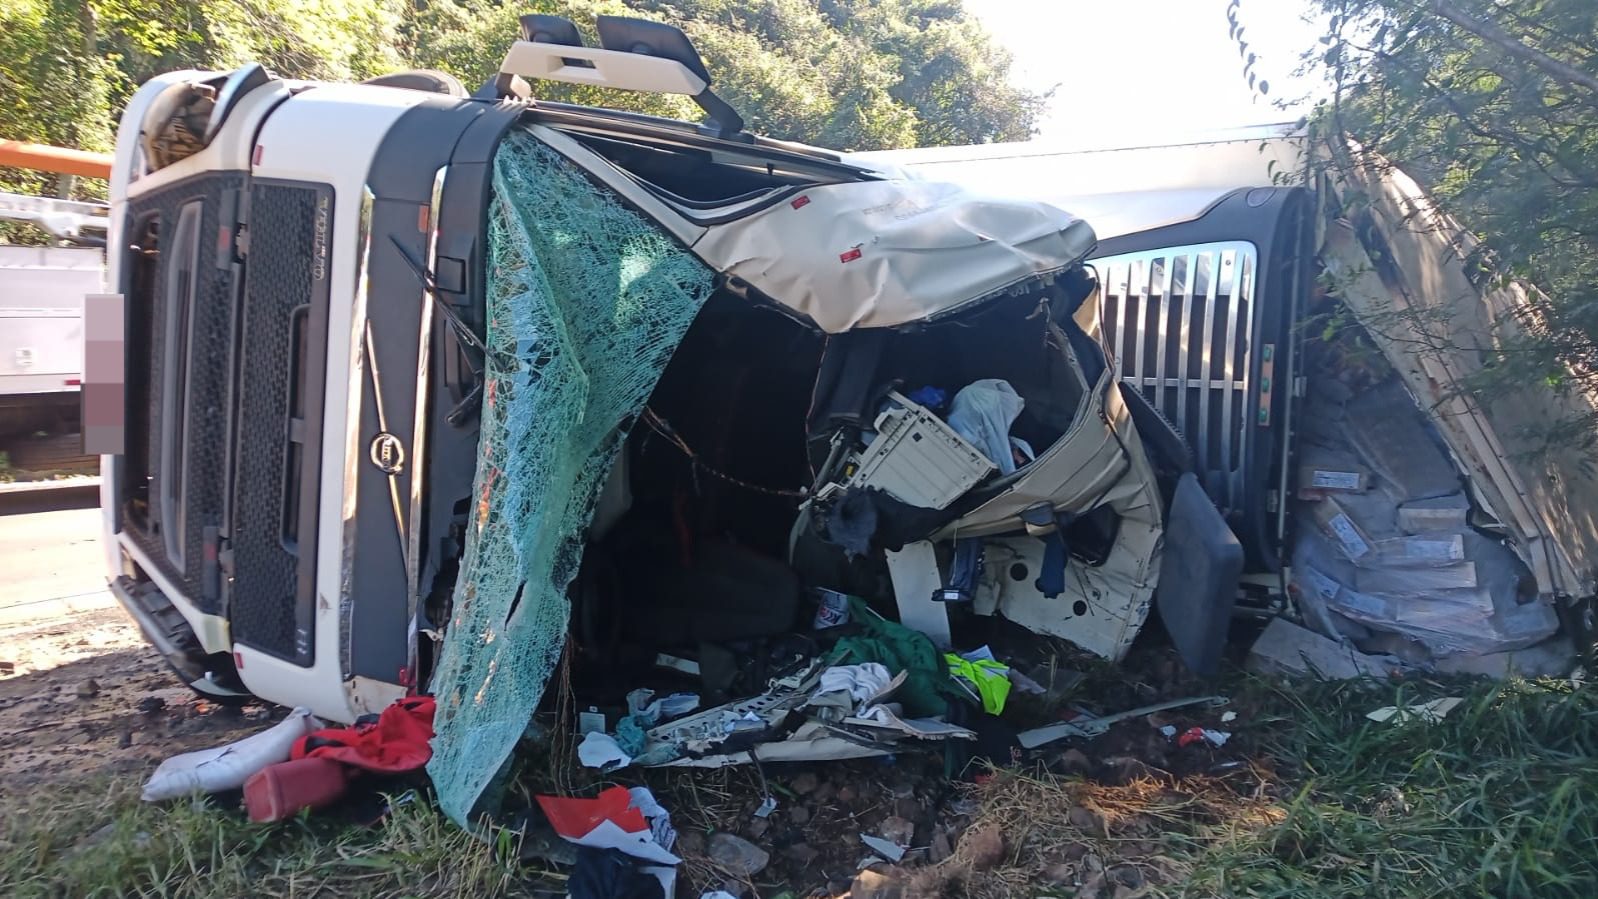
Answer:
(388, 454)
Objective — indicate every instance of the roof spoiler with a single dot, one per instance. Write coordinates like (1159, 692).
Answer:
(634, 55)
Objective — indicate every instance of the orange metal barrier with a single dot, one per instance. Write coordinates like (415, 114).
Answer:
(39, 157)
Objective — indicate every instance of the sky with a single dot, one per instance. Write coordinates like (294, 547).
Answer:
(1135, 67)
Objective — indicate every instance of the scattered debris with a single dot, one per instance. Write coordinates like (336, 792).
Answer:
(888, 849)
(600, 750)
(89, 689)
(629, 821)
(1093, 727)
(1202, 735)
(1427, 712)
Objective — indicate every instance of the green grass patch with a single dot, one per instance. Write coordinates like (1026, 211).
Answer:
(1500, 798)
(98, 839)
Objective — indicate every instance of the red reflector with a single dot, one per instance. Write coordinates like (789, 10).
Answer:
(73, 382)
(849, 255)
(256, 158)
(421, 219)
(224, 236)
(238, 660)
(405, 678)
(800, 202)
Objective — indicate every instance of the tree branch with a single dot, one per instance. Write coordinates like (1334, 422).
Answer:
(1491, 33)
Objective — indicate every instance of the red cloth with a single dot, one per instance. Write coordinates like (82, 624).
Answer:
(396, 743)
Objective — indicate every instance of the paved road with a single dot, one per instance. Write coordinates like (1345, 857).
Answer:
(51, 565)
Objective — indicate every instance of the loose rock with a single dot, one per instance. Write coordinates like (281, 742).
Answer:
(89, 689)
(897, 830)
(805, 784)
(736, 855)
(802, 853)
(983, 847)
(1086, 819)
(1075, 761)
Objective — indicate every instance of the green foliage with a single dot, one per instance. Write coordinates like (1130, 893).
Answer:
(1493, 106)
(851, 74)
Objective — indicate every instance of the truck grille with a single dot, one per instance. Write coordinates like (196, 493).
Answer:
(205, 346)
(269, 606)
(1180, 322)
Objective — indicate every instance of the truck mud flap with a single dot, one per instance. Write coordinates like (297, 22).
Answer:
(1199, 573)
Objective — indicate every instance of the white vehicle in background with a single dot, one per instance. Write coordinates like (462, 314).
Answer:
(41, 311)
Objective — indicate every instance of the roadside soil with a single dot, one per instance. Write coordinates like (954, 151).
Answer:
(82, 694)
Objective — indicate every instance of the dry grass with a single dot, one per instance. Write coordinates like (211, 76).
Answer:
(1085, 838)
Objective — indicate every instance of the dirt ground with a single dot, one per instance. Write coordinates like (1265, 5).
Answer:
(81, 693)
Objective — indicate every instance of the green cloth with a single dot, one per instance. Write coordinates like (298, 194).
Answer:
(898, 648)
(989, 678)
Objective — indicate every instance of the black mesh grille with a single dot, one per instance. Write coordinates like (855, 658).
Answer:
(206, 411)
(279, 279)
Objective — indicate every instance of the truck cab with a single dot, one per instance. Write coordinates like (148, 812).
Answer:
(304, 278)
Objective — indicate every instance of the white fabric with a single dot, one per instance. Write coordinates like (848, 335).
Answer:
(878, 254)
(600, 750)
(982, 412)
(861, 682)
(643, 704)
(228, 767)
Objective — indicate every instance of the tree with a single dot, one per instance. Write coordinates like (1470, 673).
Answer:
(1493, 106)
(850, 74)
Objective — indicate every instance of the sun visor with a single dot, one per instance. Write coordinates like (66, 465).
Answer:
(879, 254)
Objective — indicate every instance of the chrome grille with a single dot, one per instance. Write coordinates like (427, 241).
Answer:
(1180, 322)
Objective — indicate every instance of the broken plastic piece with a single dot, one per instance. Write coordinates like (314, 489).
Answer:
(1203, 735)
(1426, 712)
(1093, 727)
(889, 850)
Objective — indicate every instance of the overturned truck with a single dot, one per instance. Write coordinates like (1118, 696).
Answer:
(506, 387)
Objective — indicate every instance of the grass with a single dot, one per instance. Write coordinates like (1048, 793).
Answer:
(97, 839)
(1498, 799)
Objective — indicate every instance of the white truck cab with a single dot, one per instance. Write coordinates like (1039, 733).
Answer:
(302, 271)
